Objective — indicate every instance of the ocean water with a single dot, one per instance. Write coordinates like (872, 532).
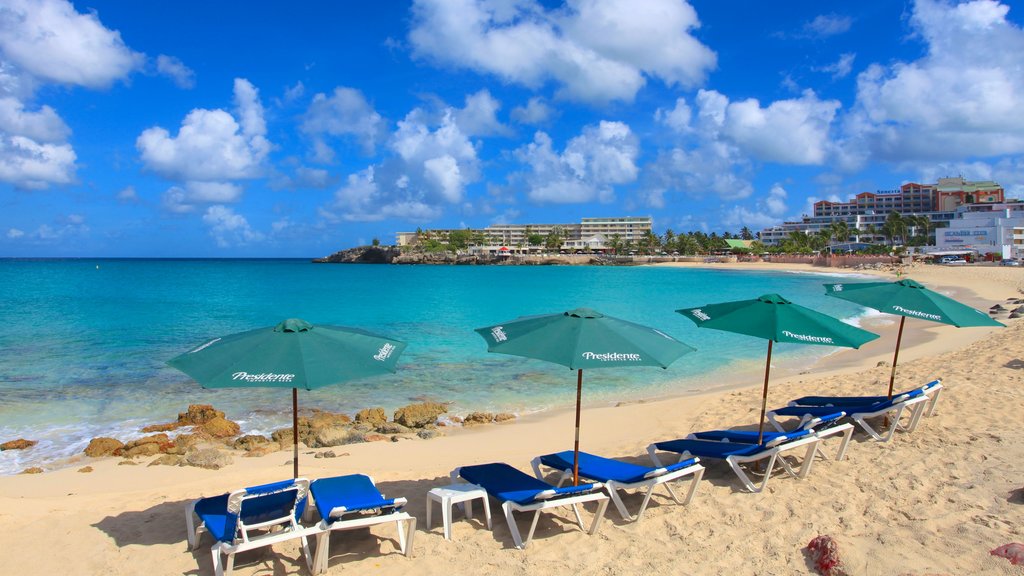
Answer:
(83, 343)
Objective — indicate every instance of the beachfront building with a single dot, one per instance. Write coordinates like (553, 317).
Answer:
(866, 213)
(588, 235)
(985, 229)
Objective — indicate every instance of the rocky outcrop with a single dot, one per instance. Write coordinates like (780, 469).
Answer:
(32, 470)
(99, 447)
(220, 427)
(419, 415)
(209, 458)
(250, 442)
(362, 255)
(146, 446)
(477, 418)
(19, 444)
(372, 416)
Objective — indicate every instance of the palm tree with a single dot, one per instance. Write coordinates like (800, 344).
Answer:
(895, 227)
(746, 234)
(839, 231)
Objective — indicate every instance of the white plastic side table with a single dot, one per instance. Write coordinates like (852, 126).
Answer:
(455, 494)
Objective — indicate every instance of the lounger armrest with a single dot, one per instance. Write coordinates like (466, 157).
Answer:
(568, 491)
(671, 468)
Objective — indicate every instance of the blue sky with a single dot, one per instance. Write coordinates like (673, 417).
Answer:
(217, 129)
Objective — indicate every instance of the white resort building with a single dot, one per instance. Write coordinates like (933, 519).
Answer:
(588, 235)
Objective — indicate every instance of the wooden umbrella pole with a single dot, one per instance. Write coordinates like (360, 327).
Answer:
(295, 432)
(576, 446)
(896, 356)
(764, 393)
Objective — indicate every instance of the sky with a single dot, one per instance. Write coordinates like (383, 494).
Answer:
(269, 129)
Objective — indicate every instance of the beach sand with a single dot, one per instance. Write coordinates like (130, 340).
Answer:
(932, 502)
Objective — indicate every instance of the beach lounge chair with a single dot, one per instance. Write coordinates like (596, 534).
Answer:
(893, 409)
(618, 475)
(736, 453)
(242, 520)
(520, 492)
(353, 501)
(932, 390)
(824, 426)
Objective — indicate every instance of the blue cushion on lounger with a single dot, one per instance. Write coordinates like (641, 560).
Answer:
(858, 401)
(354, 492)
(222, 524)
(750, 436)
(507, 483)
(605, 469)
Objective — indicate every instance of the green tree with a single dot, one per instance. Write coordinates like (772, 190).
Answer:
(554, 239)
(459, 239)
(746, 234)
(375, 242)
(839, 231)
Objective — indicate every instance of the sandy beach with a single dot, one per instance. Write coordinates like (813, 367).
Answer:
(932, 502)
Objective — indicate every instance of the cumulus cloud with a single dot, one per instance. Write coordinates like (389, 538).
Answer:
(211, 151)
(127, 195)
(431, 162)
(14, 233)
(961, 99)
(595, 51)
(767, 212)
(51, 41)
(586, 170)
(535, 112)
(479, 117)
(182, 76)
(345, 113)
(228, 228)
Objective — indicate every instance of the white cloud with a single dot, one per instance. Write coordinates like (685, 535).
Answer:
(586, 171)
(840, 68)
(228, 228)
(536, 112)
(211, 149)
(711, 168)
(595, 51)
(678, 118)
(431, 164)
(51, 41)
(28, 164)
(344, 113)
(825, 25)
(962, 99)
(479, 116)
(48, 41)
(176, 70)
(127, 195)
(293, 93)
(767, 212)
(14, 233)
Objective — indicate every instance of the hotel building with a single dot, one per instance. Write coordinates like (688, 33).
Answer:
(586, 235)
(938, 202)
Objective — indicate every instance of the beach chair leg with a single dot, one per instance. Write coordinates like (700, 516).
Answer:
(915, 416)
(933, 402)
(229, 563)
(643, 505)
(401, 535)
(845, 442)
(862, 422)
(446, 518)
(744, 479)
(579, 518)
(602, 507)
(321, 557)
(430, 517)
(512, 527)
(190, 526)
(697, 476)
(487, 512)
(613, 491)
(406, 542)
(775, 423)
(533, 528)
(805, 468)
(652, 451)
(218, 568)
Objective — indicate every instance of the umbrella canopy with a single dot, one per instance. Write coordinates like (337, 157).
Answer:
(776, 319)
(583, 338)
(294, 354)
(909, 298)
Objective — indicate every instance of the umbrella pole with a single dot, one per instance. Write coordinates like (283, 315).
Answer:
(764, 393)
(576, 446)
(295, 432)
(895, 357)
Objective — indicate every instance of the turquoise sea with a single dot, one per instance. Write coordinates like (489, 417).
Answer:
(83, 343)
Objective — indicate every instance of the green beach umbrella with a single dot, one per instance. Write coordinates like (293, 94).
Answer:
(294, 354)
(583, 338)
(909, 298)
(776, 319)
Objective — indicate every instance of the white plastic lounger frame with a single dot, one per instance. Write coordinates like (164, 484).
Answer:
(651, 480)
(541, 503)
(372, 517)
(244, 540)
(917, 406)
(774, 455)
(847, 434)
